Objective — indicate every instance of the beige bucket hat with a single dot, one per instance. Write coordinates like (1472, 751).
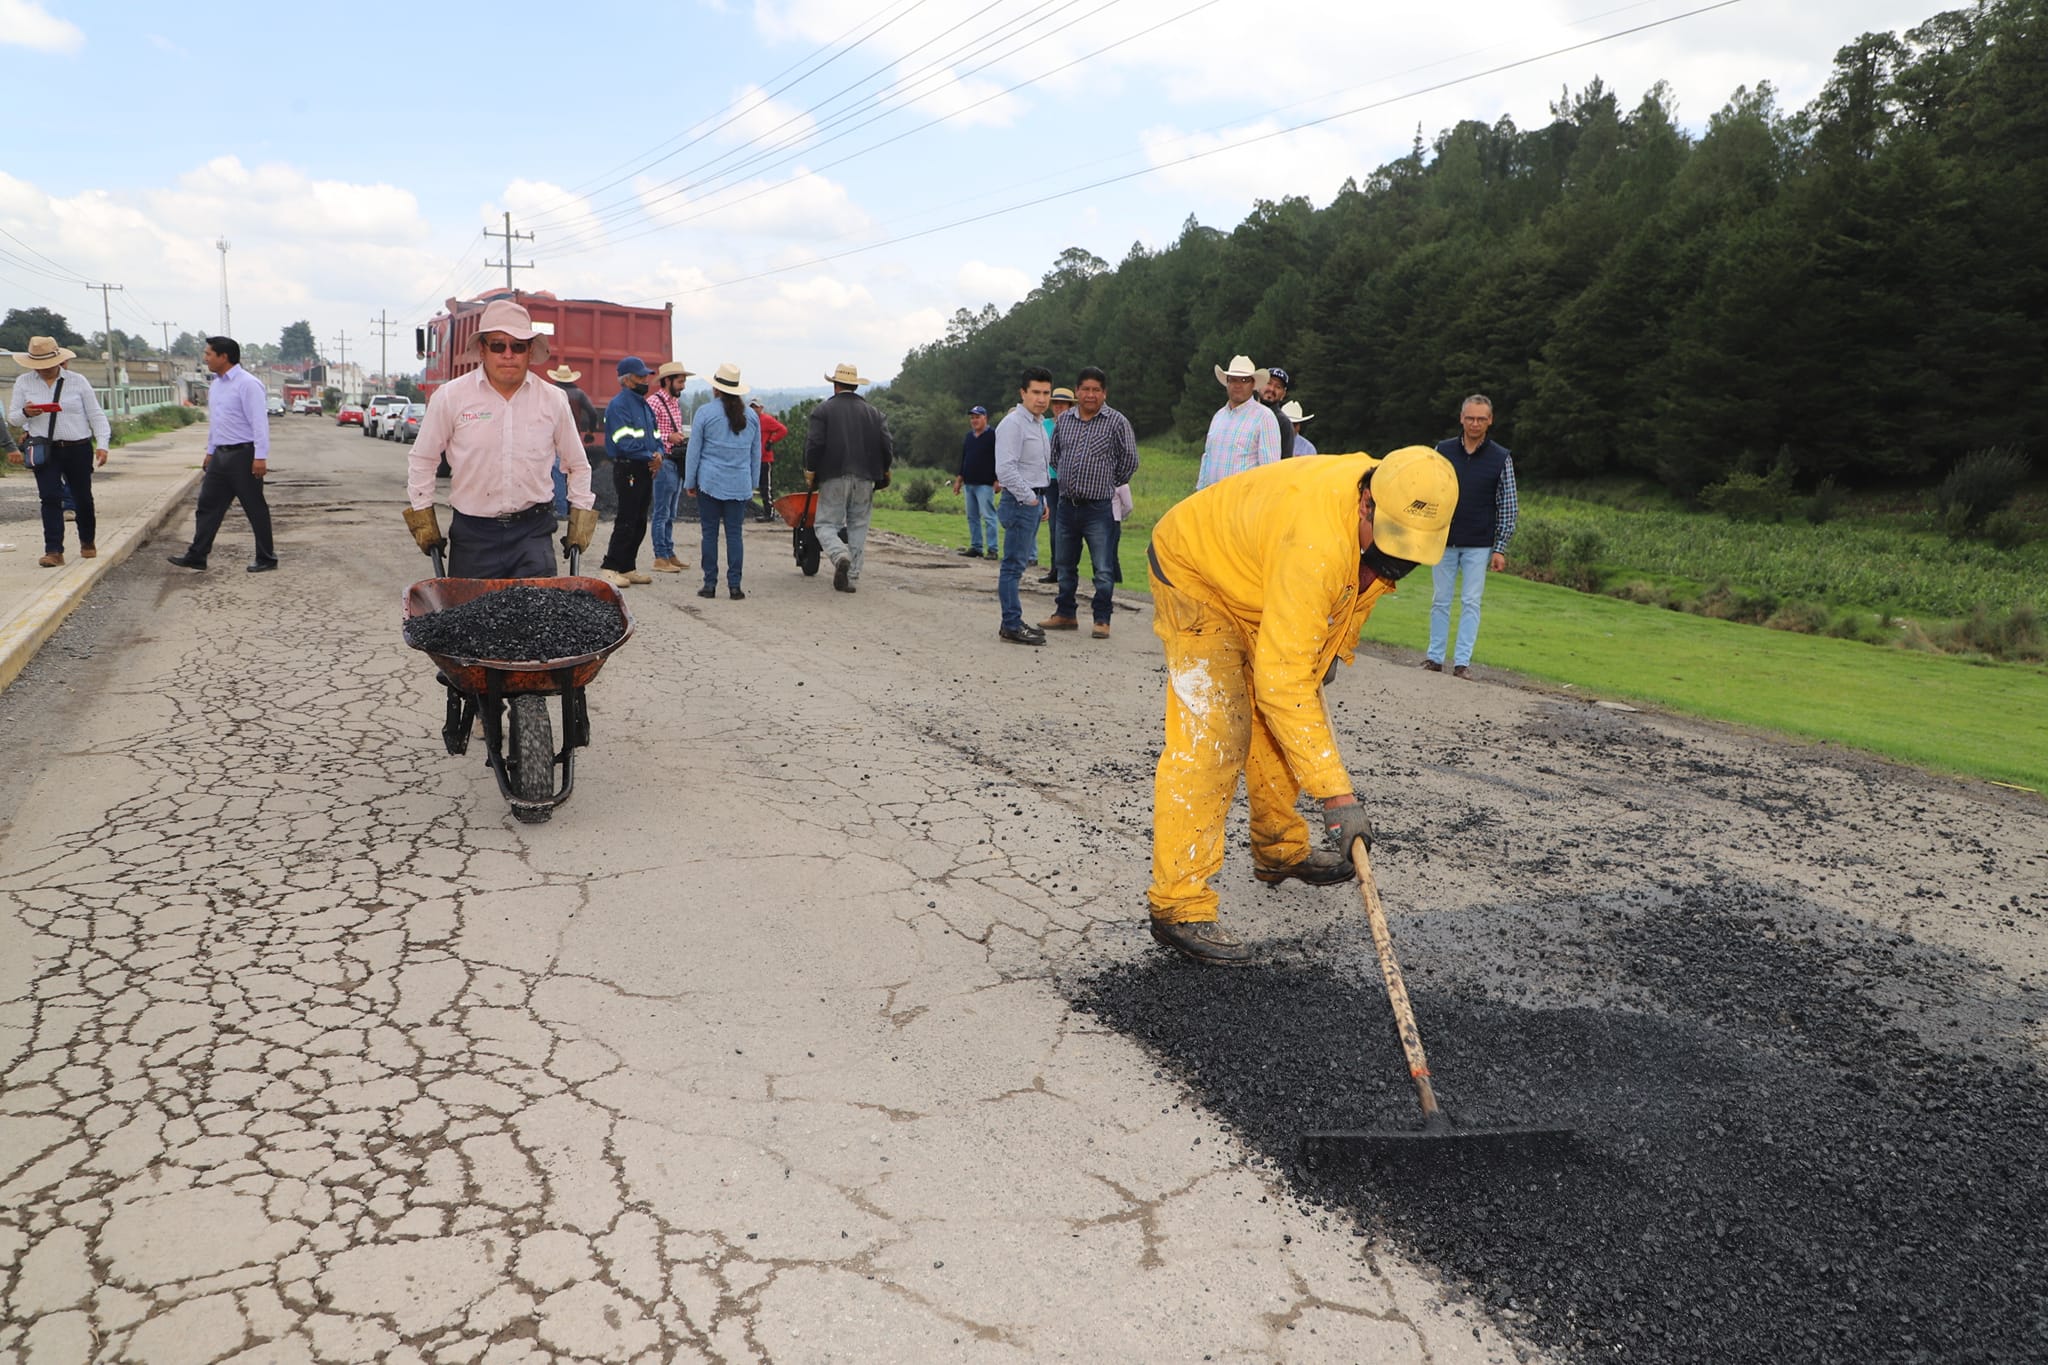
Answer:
(562, 374)
(1241, 367)
(846, 374)
(503, 315)
(727, 380)
(1291, 410)
(44, 353)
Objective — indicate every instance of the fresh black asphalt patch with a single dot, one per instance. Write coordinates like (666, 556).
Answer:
(520, 623)
(1800, 1139)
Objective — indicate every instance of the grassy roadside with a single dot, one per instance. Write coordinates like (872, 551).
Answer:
(1941, 712)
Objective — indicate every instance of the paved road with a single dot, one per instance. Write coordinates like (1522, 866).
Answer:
(762, 1048)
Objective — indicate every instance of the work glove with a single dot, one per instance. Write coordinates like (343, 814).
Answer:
(1342, 824)
(582, 526)
(882, 482)
(425, 528)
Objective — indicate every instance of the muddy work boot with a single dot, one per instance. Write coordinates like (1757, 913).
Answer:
(1202, 941)
(1322, 867)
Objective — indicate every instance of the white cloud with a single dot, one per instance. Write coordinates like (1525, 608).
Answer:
(762, 119)
(554, 215)
(804, 206)
(998, 284)
(24, 23)
(284, 199)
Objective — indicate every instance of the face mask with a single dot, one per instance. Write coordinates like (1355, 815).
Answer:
(1385, 565)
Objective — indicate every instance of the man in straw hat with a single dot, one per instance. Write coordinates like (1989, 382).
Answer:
(846, 458)
(588, 422)
(1259, 587)
(68, 438)
(237, 457)
(1243, 434)
(1293, 416)
(503, 429)
(666, 399)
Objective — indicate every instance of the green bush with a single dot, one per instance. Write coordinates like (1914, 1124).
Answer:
(2007, 529)
(1579, 567)
(1537, 544)
(1825, 502)
(1801, 618)
(919, 492)
(1752, 497)
(1983, 482)
(1726, 602)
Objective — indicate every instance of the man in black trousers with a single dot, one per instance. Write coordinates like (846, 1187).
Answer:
(237, 457)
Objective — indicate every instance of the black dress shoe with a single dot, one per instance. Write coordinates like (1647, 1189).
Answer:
(1049, 578)
(263, 566)
(736, 594)
(970, 554)
(1202, 941)
(1022, 635)
(1322, 867)
(707, 591)
(186, 561)
(1432, 666)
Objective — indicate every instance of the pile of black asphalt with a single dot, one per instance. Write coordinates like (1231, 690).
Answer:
(520, 624)
(1799, 1138)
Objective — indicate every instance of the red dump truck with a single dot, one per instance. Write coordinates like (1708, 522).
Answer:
(590, 335)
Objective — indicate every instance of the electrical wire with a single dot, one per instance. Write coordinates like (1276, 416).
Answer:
(1237, 145)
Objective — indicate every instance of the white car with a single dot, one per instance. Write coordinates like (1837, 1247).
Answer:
(276, 406)
(382, 409)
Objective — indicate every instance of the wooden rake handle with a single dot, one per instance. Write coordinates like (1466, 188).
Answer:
(1397, 987)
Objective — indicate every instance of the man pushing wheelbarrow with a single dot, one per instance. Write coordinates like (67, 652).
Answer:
(504, 431)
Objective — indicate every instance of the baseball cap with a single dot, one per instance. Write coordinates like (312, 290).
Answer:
(634, 365)
(977, 411)
(1286, 380)
(1415, 490)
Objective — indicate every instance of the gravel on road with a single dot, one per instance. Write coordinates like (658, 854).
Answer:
(520, 624)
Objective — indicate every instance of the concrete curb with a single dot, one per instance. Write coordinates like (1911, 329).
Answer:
(26, 631)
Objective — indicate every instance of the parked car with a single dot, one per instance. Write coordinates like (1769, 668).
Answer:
(376, 416)
(302, 406)
(349, 415)
(409, 425)
(394, 421)
(276, 406)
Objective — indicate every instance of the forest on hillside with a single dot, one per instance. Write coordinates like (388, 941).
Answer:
(1856, 290)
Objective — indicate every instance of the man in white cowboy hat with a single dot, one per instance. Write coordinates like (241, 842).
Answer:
(503, 429)
(68, 437)
(589, 421)
(1291, 412)
(846, 458)
(237, 457)
(1243, 434)
(666, 399)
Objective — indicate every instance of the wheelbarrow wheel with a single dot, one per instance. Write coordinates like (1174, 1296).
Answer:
(532, 759)
(808, 551)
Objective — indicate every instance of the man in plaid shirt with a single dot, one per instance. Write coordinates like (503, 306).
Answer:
(667, 401)
(1094, 451)
(1244, 433)
(1479, 533)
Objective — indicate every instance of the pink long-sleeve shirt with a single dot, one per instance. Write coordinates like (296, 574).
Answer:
(501, 451)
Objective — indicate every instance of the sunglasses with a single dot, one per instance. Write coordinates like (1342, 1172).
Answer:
(515, 347)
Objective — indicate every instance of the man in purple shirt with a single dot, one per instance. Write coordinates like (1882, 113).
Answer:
(237, 456)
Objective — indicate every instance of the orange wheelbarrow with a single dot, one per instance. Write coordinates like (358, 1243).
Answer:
(800, 512)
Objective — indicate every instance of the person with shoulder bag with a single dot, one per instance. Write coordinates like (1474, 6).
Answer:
(68, 438)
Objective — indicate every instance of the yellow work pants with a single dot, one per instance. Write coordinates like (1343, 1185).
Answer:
(1213, 734)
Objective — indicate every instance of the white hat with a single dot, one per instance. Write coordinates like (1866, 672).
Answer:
(1291, 410)
(1241, 367)
(44, 353)
(846, 374)
(562, 374)
(727, 380)
(503, 315)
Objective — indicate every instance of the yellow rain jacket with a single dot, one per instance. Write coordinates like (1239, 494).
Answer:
(1276, 550)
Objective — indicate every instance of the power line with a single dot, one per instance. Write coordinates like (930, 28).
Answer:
(510, 237)
(1238, 145)
(341, 340)
(383, 328)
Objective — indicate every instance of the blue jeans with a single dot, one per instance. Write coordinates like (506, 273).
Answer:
(1020, 538)
(561, 492)
(981, 516)
(668, 486)
(730, 513)
(1091, 522)
(1470, 560)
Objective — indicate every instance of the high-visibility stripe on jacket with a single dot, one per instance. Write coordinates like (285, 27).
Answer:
(630, 432)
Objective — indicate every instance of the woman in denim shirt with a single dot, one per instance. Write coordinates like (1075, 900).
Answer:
(723, 466)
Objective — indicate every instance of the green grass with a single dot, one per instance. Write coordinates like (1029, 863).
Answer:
(1938, 711)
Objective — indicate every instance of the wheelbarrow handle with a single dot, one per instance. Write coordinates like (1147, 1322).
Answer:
(575, 560)
(440, 563)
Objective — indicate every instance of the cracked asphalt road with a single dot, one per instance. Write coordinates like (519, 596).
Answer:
(762, 1049)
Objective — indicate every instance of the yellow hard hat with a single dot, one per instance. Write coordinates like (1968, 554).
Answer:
(1414, 492)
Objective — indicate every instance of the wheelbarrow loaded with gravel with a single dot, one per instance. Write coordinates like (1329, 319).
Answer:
(503, 647)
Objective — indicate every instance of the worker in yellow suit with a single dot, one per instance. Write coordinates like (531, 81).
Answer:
(1260, 583)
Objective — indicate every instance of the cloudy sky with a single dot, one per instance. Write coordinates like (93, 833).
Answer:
(795, 176)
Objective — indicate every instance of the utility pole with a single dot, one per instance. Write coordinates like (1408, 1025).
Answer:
(510, 237)
(227, 327)
(167, 326)
(384, 330)
(113, 359)
(341, 341)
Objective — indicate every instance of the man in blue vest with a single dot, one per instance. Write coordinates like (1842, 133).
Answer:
(1480, 531)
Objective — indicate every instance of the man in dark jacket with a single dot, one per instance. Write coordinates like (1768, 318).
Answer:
(588, 423)
(846, 459)
(1273, 393)
(633, 441)
(977, 482)
(1479, 536)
